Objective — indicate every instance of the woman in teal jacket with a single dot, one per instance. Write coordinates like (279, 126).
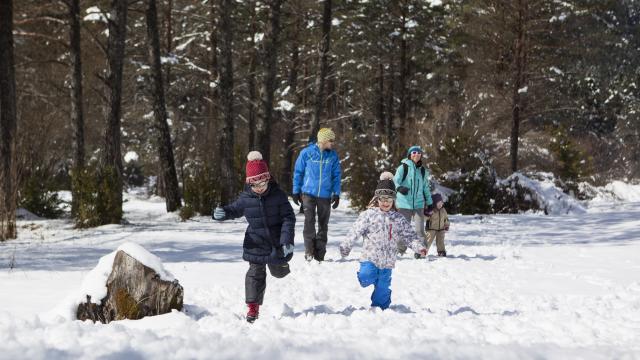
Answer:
(414, 192)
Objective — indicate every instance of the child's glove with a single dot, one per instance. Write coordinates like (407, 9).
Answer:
(423, 252)
(403, 190)
(446, 227)
(285, 250)
(428, 211)
(219, 213)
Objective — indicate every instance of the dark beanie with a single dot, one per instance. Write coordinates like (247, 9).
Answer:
(386, 186)
(436, 198)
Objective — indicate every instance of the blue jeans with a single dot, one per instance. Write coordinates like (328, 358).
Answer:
(381, 279)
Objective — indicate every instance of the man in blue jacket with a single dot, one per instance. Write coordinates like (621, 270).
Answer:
(316, 183)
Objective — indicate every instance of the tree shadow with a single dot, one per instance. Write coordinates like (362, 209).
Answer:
(319, 310)
(469, 258)
(195, 312)
(467, 309)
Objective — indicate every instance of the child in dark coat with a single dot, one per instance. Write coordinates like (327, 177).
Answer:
(268, 240)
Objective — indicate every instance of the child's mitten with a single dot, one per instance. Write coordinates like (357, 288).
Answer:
(219, 213)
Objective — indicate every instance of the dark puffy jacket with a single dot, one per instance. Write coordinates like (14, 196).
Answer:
(271, 224)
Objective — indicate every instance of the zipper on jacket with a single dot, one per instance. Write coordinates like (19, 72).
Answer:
(415, 192)
(264, 221)
(320, 182)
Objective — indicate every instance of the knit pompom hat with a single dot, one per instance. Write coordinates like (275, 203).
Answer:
(414, 148)
(326, 134)
(386, 186)
(257, 169)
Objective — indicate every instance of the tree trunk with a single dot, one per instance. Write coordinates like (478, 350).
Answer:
(379, 105)
(286, 178)
(77, 109)
(169, 39)
(402, 86)
(226, 94)
(214, 108)
(263, 131)
(324, 66)
(165, 147)
(519, 79)
(251, 81)
(8, 124)
(113, 154)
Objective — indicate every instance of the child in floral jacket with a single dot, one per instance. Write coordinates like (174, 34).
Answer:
(381, 227)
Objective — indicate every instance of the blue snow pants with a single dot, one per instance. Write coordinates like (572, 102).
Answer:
(381, 279)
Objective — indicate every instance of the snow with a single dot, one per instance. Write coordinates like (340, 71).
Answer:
(411, 24)
(523, 90)
(525, 286)
(617, 191)
(131, 156)
(285, 105)
(95, 14)
(549, 195)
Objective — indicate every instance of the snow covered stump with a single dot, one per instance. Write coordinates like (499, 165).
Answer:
(137, 286)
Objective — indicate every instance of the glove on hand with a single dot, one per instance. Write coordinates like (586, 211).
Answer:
(219, 213)
(423, 252)
(403, 190)
(296, 199)
(335, 200)
(446, 227)
(428, 211)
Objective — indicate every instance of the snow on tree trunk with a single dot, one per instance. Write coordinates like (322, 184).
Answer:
(134, 291)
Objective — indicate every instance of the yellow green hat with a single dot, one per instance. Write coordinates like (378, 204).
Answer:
(326, 134)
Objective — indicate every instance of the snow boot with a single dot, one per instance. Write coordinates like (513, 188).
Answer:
(442, 253)
(253, 312)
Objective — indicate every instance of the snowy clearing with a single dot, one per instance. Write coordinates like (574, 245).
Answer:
(515, 286)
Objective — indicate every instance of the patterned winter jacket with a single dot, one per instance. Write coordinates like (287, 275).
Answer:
(381, 231)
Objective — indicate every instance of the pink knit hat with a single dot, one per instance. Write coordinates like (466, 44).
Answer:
(257, 169)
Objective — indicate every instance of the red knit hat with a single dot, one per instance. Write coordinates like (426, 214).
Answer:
(257, 169)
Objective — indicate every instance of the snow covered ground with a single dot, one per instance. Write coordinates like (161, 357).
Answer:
(515, 286)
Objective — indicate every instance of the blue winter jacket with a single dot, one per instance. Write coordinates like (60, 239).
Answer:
(419, 189)
(271, 224)
(317, 173)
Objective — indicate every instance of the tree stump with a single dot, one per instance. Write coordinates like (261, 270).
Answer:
(134, 291)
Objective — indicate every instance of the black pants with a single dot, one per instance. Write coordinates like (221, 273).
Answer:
(315, 243)
(255, 282)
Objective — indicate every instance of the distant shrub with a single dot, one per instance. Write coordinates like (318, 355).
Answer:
(39, 196)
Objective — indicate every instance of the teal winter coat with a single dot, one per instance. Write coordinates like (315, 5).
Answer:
(419, 189)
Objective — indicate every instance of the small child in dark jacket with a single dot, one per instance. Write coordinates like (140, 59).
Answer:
(268, 240)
